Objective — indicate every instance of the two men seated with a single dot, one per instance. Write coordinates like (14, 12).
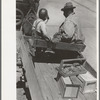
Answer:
(69, 31)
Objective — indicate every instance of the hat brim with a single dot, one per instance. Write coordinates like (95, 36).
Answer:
(63, 9)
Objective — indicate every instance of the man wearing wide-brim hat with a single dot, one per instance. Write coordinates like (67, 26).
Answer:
(69, 30)
(68, 5)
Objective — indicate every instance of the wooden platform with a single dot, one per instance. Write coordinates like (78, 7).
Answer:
(41, 76)
(46, 73)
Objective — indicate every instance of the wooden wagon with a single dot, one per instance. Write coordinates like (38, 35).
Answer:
(41, 68)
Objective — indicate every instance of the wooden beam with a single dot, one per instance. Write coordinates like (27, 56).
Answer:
(69, 46)
(35, 90)
(89, 68)
(60, 45)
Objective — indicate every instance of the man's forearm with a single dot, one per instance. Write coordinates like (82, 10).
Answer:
(46, 37)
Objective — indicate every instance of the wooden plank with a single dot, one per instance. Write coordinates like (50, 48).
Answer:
(49, 69)
(68, 46)
(35, 90)
(44, 86)
(53, 88)
(48, 76)
(90, 69)
(40, 43)
(60, 45)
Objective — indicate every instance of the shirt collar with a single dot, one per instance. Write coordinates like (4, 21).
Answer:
(70, 15)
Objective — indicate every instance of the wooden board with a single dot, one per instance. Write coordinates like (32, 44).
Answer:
(90, 69)
(48, 74)
(68, 46)
(34, 87)
(60, 45)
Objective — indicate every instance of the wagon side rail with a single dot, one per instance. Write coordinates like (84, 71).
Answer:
(59, 45)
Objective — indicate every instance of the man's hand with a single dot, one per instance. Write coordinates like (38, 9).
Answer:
(49, 39)
(65, 36)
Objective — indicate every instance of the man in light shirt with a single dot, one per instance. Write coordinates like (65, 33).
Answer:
(40, 24)
(70, 30)
(41, 30)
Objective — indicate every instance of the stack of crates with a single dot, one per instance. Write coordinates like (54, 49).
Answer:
(71, 84)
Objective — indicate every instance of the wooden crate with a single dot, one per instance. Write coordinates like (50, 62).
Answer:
(87, 82)
(68, 63)
(67, 89)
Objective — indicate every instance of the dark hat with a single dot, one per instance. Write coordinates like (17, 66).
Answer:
(68, 5)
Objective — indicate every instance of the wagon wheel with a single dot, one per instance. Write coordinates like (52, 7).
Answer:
(19, 16)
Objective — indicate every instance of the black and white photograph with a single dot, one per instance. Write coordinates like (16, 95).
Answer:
(56, 49)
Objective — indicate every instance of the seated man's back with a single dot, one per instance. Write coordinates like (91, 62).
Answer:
(40, 25)
(70, 30)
